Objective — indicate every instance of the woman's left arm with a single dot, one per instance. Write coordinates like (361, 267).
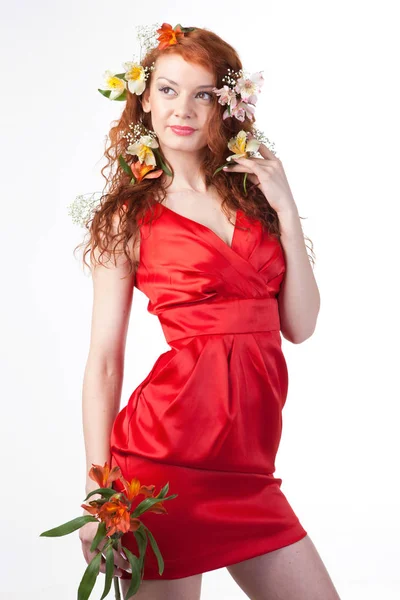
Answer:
(298, 298)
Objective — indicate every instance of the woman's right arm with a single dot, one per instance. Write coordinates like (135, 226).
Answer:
(103, 377)
(104, 371)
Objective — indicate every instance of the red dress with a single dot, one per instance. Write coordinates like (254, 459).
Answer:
(207, 417)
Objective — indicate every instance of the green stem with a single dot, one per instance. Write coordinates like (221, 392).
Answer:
(116, 589)
(244, 184)
(116, 544)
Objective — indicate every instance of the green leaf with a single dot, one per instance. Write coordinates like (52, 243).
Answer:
(141, 539)
(149, 502)
(156, 550)
(227, 164)
(89, 578)
(107, 94)
(68, 527)
(123, 96)
(109, 570)
(100, 534)
(107, 492)
(184, 29)
(136, 573)
(162, 163)
(132, 181)
(127, 170)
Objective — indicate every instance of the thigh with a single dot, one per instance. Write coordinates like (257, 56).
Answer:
(187, 588)
(295, 572)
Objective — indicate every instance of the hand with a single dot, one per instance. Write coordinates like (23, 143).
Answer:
(86, 535)
(269, 175)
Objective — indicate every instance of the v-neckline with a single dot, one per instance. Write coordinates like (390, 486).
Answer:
(208, 229)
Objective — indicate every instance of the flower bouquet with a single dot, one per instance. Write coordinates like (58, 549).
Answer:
(116, 514)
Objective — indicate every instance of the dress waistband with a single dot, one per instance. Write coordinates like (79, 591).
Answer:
(233, 315)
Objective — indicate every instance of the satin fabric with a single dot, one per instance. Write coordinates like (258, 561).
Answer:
(208, 416)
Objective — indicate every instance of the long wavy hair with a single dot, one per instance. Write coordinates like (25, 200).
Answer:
(122, 204)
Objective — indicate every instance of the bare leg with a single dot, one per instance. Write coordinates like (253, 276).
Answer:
(187, 588)
(295, 572)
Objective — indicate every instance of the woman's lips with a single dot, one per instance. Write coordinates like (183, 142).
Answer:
(182, 130)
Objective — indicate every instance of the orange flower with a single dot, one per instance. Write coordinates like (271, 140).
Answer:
(103, 476)
(134, 488)
(142, 171)
(116, 511)
(168, 36)
(116, 516)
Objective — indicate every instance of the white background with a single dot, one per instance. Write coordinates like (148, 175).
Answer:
(330, 103)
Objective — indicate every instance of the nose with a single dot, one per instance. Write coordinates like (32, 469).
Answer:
(184, 107)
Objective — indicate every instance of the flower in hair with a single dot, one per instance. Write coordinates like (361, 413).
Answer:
(169, 36)
(239, 94)
(143, 144)
(134, 79)
(143, 149)
(82, 208)
(248, 87)
(135, 74)
(114, 86)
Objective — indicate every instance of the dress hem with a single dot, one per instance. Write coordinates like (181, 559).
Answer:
(188, 566)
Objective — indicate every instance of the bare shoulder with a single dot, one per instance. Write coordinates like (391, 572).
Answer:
(113, 287)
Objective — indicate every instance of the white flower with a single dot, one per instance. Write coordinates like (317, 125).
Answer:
(116, 85)
(241, 145)
(142, 149)
(249, 86)
(136, 77)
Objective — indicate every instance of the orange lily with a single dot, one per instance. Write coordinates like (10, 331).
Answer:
(103, 475)
(168, 36)
(142, 171)
(114, 513)
(134, 488)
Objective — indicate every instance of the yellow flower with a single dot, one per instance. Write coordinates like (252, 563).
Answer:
(115, 84)
(143, 149)
(242, 146)
(136, 77)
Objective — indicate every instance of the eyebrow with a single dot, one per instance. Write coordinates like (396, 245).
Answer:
(210, 85)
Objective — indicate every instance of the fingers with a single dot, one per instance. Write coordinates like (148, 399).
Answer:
(121, 564)
(120, 560)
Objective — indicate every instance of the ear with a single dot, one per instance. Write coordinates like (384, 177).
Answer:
(145, 100)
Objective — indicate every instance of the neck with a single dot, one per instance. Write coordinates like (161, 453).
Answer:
(187, 171)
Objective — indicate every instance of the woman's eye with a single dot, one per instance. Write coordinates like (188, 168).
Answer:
(208, 94)
(162, 89)
(166, 87)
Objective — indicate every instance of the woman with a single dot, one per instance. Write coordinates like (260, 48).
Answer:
(225, 270)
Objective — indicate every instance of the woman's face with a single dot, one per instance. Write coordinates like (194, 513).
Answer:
(179, 95)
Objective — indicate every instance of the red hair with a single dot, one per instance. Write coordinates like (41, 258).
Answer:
(112, 224)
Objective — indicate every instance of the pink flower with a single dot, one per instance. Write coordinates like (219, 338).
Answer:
(249, 86)
(226, 95)
(243, 110)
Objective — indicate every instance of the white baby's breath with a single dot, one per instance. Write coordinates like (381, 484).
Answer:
(147, 36)
(83, 207)
(261, 137)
